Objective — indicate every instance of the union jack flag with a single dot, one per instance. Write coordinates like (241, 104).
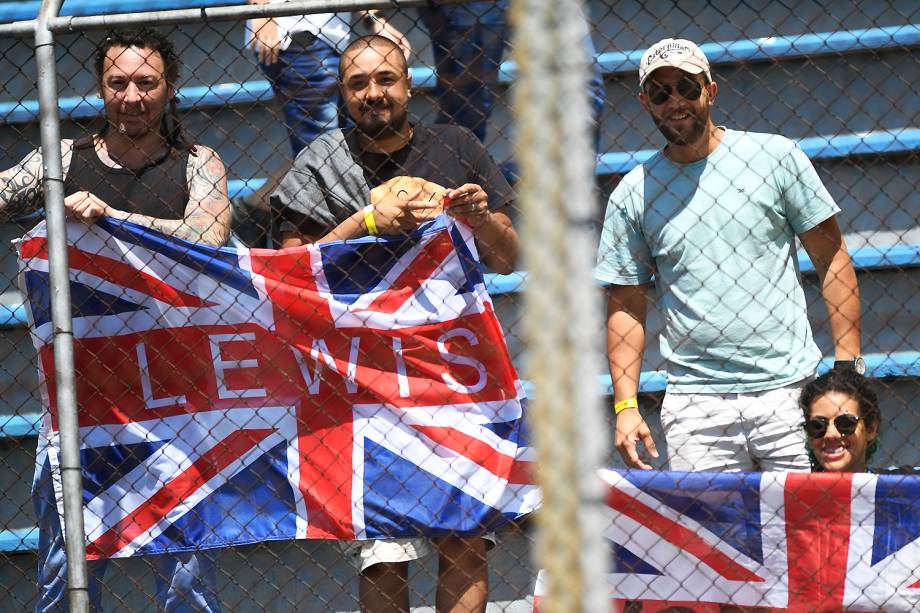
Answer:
(777, 541)
(355, 390)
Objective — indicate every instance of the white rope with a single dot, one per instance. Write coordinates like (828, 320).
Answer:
(562, 321)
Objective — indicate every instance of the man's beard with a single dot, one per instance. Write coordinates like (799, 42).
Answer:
(693, 135)
(136, 130)
(133, 131)
(377, 127)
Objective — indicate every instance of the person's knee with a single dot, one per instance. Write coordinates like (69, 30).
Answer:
(386, 571)
(463, 575)
(384, 588)
(462, 550)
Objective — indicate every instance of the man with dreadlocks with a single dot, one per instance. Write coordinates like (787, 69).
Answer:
(138, 168)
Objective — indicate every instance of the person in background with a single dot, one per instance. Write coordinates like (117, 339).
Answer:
(139, 167)
(842, 421)
(299, 55)
(322, 196)
(468, 41)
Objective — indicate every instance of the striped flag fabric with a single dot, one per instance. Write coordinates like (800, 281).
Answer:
(801, 542)
(353, 390)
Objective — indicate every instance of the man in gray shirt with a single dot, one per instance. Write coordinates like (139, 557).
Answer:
(326, 196)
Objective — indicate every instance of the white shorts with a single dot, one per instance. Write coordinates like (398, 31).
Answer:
(364, 554)
(752, 431)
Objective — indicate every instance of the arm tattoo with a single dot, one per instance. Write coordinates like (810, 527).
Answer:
(207, 215)
(21, 187)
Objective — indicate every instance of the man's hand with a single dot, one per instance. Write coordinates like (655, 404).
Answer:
(401, 214)
(469, 202)
(378, 24)
(84, 206)
(265, 40)
(631, 428)
(495, 235)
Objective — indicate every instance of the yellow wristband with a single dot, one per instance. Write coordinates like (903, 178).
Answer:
(629, 403)
(369, 222)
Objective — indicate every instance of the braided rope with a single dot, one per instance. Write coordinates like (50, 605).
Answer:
(561, 314)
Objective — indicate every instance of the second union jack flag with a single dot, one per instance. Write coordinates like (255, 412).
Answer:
(763, 542)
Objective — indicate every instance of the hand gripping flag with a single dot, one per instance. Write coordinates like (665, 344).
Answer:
(355, 390)
(799, 542)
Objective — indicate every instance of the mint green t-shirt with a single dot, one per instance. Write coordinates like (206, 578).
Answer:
(719, 237)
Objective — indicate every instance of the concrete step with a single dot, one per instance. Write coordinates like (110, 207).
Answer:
(292, 576)
(635, 24)
(17, 465)
(19, 393)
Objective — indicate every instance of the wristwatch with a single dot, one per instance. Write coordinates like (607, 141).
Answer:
(858, 364)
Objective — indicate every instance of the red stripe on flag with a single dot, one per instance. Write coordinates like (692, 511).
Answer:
(175, 492)
(116, 272)
(34, 248)
(325, 447)
(496, 462)
(679, 536)
(416, 273)
(818, 530)
(324, 421)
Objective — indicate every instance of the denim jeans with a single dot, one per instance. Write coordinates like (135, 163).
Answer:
(185, 582)
(468, 41)
(305, 80)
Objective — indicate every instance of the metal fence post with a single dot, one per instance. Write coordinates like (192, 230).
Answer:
(53, 185)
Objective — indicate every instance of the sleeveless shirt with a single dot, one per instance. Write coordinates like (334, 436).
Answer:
(159, 189)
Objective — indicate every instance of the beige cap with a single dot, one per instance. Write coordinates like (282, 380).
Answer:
(677, 52)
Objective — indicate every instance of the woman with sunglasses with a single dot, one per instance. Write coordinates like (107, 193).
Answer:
(841, 421)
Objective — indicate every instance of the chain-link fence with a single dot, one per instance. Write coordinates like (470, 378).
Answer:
(838, 79)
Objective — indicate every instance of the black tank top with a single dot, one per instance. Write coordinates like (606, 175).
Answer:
(159, 189)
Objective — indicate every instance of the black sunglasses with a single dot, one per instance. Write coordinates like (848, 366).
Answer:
(816, 427)
(686, 87)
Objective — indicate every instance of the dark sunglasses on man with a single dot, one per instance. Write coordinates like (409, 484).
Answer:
(816, 427)
(687, 88)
